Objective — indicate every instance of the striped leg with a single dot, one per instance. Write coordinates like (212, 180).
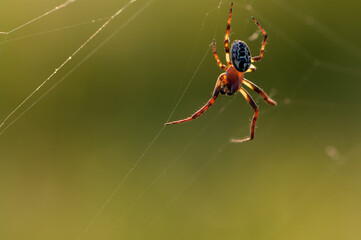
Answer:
(254, 59)
(217, 58)
(252, 68)
(258, 90)
(254, 119)
(226, 37)
(221, 80)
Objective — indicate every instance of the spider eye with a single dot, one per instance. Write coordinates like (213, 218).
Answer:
(241, 56)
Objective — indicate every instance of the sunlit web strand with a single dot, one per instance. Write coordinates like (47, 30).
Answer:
(123, 180)
(200, 170)
(111, 196)
(209, 47)
(311, 103)
(76, 66)
(320, 28)
(191, 56)
(179, 193)
(147, 189)
(55, 30)
(41, 16)
(65, 62)
(31, 21)
(189, 83)
(158, 134)
(166, 169)
(309, 56)
(143, 194)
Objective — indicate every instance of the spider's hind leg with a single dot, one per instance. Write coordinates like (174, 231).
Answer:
(217, 89)
(254, 119)
(258, 90)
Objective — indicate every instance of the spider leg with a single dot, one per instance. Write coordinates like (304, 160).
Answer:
(254, 119)
(252, 68)
(220, 64)
(221, 79)
(258, 90)
(226, 37)
(257, 58)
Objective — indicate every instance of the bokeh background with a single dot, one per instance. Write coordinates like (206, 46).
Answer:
(91, 160)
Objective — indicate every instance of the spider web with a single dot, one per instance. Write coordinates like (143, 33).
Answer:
(113, 171)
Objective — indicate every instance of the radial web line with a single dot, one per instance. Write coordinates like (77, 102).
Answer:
(158, 134)
(142, 195)
(192, 54)
(200, 170)
(175, 159)
(306, 54)
(31, 21)
(77, 65)
(209, 47)
(182, 190)
(123, 180)
(189, 83)
(41, 16)
(55, 30)
(65, 62)
(323, 29)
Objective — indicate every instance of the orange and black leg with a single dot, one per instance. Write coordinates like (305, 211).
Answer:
(258, 90)
(220, 64)
(252, 68)
(257, 58)
(221, 80)
(226, 37)
(254, 119)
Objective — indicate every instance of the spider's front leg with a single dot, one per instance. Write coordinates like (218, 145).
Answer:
(257, 58)
(254, 119)
(221, 80)
(220, 64)
(226, 37)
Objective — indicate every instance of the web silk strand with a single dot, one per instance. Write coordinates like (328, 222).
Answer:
(65, 62)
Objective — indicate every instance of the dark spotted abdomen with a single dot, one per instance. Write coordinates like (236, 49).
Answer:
(241, 56)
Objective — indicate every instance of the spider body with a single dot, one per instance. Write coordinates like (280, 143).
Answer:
(232, 80)
(241, 56)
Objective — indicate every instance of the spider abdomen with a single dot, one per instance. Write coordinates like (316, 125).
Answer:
(241, 56)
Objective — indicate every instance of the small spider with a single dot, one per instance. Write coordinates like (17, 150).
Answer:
(230, 82)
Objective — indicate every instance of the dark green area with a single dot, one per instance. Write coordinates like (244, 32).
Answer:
(299, 178)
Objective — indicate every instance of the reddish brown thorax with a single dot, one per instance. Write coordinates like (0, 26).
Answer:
(234, 79)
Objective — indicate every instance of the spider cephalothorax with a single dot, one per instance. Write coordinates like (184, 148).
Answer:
(232, 84)
(231, 81)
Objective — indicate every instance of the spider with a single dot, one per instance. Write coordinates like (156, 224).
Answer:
(230, 82)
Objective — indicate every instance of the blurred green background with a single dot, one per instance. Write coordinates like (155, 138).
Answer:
(60, 162)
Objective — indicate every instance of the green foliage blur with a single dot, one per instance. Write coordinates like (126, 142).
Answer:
(59, 163)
